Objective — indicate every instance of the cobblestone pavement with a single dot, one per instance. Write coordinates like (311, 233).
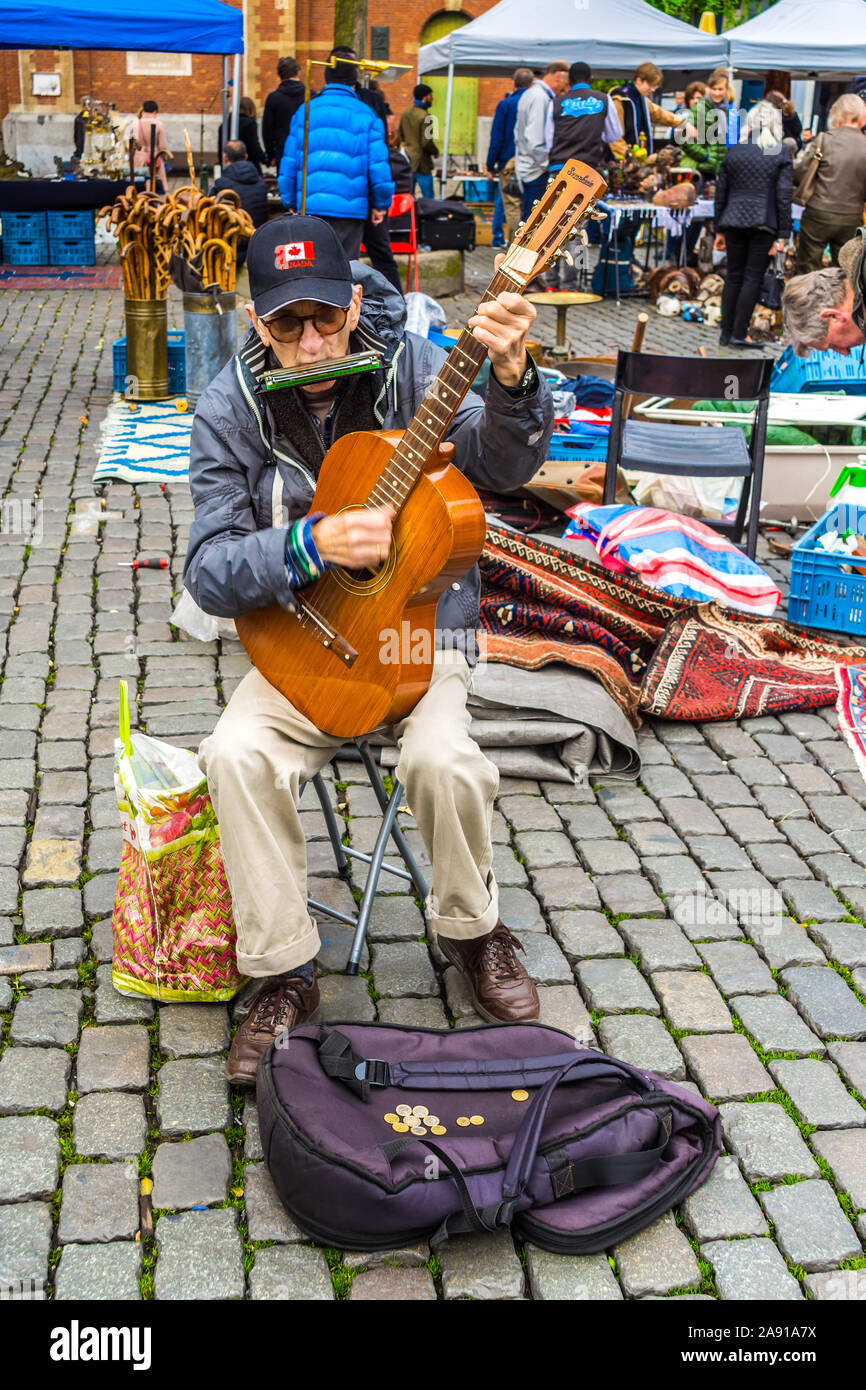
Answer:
(760, 1010)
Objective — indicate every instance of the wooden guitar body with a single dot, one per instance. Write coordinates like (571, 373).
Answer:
(387, 616)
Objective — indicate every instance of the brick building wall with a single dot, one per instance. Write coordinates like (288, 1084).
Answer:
(274, 28)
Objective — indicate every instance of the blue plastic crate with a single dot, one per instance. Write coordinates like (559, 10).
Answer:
(176, 362)
(23, 226)
(577, 448)
(479, 190)
(822, 594)
(18, 251)
(822, 371)
(70, 226)
(72, 251)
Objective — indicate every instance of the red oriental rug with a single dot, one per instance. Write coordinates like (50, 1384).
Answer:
(541, 603)
(851, 709)
(714, 663)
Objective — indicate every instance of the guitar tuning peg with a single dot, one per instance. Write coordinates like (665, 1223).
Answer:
(583, 237)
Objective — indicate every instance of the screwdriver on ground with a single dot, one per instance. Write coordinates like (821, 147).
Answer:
(159, 563)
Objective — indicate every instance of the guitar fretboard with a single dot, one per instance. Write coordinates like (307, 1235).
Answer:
(435, 413)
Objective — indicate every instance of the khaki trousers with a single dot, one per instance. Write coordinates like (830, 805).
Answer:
(261, 751)
(510, 203)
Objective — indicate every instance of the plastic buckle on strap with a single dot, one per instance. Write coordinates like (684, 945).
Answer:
(373, 1071)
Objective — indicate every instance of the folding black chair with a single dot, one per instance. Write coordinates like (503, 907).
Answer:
(693, 451)
(389, 829)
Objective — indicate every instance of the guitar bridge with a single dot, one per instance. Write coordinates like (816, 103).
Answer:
(322, 630)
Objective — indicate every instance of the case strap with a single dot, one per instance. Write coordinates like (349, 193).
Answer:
(605, 1170)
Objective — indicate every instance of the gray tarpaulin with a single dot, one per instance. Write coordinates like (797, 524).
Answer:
(610, 35)
(810, 37)
(556, 723)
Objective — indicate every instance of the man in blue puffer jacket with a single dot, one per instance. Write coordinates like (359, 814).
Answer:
(348, 170)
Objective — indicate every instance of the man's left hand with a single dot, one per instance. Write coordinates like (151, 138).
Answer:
(377, 215)
(502, 324)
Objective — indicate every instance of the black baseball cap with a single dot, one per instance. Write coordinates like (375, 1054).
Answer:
(292, 258)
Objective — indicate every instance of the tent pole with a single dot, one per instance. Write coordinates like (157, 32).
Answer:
(225, 120)
(236, 97)
(448, 98)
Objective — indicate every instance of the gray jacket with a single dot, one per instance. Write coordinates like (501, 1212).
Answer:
(248, 482)
(533, 132)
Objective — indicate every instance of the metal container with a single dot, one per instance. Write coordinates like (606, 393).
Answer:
(211, 327)
(147, 349)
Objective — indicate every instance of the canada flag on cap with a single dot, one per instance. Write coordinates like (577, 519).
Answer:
(293, 253)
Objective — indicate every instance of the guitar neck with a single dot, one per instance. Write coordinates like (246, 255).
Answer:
(569, 198)
(434, 415)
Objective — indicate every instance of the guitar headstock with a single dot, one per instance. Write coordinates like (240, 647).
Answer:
(567, 201)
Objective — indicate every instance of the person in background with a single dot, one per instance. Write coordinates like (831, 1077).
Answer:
(139, 131)
(584, 122)
(533, 133)
(792, 126)
(500, 157)
(242, 177)
(280, 106)
(753, 217)
(835, 207)
(399, 228)
(638, 113)
(716, 126)
(416, 132)
(585, 125)
(248, 134)
(348, 172)
(823, 311)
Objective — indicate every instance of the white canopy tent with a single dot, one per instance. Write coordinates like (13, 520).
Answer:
(804, 37)
(613, 37)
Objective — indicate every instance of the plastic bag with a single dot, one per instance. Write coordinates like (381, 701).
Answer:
(423, 313)
(174, 937)
(196, 623)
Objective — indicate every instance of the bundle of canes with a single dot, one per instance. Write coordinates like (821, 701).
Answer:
(144, 238)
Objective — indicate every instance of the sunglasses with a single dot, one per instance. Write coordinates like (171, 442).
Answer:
(289, 328)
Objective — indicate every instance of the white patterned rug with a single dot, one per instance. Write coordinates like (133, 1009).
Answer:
(148, 445)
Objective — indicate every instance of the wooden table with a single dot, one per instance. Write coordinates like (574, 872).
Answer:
(562, 301)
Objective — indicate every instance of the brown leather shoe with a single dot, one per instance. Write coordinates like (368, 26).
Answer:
(502, 991)
(278, 1005)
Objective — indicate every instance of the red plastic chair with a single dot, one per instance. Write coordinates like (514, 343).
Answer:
(400, 205)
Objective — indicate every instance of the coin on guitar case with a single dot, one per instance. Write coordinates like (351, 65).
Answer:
(391, 1119)
(419, 1110)
(417, 1129)
(520, 1095)
(438, 1129)
(463, 1121)
(404, 1109)
(476, 1119)
(400, 1128)
(430, 1120)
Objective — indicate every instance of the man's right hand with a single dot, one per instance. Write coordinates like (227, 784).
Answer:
(355, 538)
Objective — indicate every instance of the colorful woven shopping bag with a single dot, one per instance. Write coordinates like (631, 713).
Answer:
(174, 938)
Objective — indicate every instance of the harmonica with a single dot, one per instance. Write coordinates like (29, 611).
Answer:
(311, 372)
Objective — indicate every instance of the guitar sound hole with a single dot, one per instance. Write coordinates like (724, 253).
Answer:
(361, 576)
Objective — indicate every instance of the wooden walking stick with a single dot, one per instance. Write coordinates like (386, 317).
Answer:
(636, 346)
(189, 159)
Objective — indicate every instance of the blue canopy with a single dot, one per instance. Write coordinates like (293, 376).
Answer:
(160, 26)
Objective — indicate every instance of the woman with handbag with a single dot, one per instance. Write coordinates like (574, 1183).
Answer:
(753, 217)
(830, 178)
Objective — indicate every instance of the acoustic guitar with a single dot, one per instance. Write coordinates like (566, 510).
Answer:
(359, 650)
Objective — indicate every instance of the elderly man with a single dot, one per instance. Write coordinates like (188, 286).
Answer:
(254, 458)
(825, 308)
